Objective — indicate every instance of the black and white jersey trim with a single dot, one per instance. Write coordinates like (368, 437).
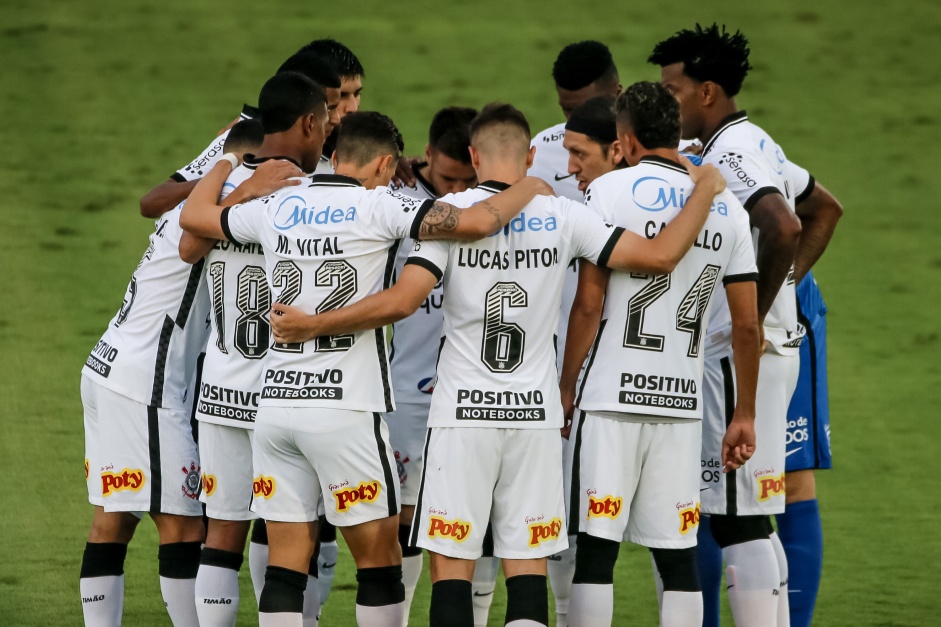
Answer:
(740, 278)
(664, 163)
(609, 247)
(224, 223)
(333, 180)
(427, 265)
(736, 118)
(415, 231)
(807, 191)
(758, 195)
(494, 187)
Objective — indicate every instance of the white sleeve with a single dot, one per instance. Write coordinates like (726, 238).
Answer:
(799, 179)
(595, 200)
(745, 176)
(245, 223)
(592, 238)
(741, 265)
(432, 256)
(198, 167)
(399, 216)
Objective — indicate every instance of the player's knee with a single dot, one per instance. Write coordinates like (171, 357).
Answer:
(227, 535)
(231, 560)
(677, 569)
(260, 532)
(110, 527)
(729, 530)
(283, 591)
(103, 559)
(595, 560)
(379, 586)
(172, 528)
(407, 550)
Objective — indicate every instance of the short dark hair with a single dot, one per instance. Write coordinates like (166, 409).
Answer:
(653, 114)
(244, 137)
(707, 54)
(285, 98)
(583, 63)
(365, 135)
(346, 62)
(596, 120)
(499, 113)
(450, 132)
(314, 66)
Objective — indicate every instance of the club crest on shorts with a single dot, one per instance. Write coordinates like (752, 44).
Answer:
(402, 458)
(191, 481)
(540, 532)
(606, 507)
(365, 492)
(263, 487)
(457, 530)
(769, 484)
(127, 479)
(209, 484)
(689, 516)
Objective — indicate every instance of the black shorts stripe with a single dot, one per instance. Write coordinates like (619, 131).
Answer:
(731, 485)
(417, 520)
(591, 360)
(576, 490)
(160, 367)
(153, 443)
(194, 423)
(386, 466)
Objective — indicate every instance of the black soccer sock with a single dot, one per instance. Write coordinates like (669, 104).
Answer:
(451, 604)
(284, 591)
(527, 598)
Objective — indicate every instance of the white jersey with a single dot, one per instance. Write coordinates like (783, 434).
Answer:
(324, 166)
(551, 163)
(416, 339)
(497, 366)
(198, 167)
(326, 246)
(569, 287)
(150, 349)
(754, 166)
(648, 357)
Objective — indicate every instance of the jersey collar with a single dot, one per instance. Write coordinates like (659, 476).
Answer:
(251, 161)
(663, 163)
(334, 180)
(493, 186)
(248, 112)
(736, 118)
(421, 180)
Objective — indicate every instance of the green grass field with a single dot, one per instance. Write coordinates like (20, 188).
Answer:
(100, 101)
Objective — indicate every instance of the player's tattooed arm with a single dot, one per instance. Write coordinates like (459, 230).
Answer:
(445, 221)
(818, 213)
(661, 254)
(290, 324)
(738, 445)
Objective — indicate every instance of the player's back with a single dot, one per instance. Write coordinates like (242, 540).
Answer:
(497, 366)
(647, 357)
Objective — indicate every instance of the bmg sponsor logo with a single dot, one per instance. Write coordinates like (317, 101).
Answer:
(606, 507)
(689, 516)
(540, 532)
(457, 530)
(209, 484)
(365, 492)
(263, 487)
(769, 484)
(127, 479)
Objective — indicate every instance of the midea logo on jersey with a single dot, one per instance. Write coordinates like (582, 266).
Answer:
(293, 210)
(652, 193)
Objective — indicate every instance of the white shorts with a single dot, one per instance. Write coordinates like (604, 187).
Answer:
(226, 456)
(407, 427)
(638, 481)
(757, 488)
(303, 454)
(511, 478)
(138, 458)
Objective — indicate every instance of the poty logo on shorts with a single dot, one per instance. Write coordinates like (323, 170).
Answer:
(86, 469)
(263, 487)
(607, 507)
(544, 532)
(456, 530)
(769, 486)
(127, 479)
(209, 484)
(689, 516)
(365, 492)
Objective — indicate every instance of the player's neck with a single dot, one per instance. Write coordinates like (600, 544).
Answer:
(714, 118)
(279, 145)
(509, 173)
(670, 154)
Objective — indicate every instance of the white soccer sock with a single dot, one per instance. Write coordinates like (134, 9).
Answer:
(102, 600)
(279, 619)
(311, 602)
(561, 571)
(179, 595)
(679, 609)
(591, 605)
(326, 563)
(411, 573)
(483, 585)
(257, 563)
(380, 615)
(217, 596)
(752, 579)
(784, 609)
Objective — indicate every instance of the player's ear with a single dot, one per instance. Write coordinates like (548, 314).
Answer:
(333, 159)
(475, 158)
(615, 154)
(383, 164)
(428, 153)
(530, 155)
(708, 93)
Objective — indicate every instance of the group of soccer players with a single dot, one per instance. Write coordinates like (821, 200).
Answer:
(391, 347)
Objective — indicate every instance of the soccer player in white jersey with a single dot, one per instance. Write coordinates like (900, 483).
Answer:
(639, 422)
(318, 430)
(705, 69)
(495, 409)
(414, 344)
(315, 66)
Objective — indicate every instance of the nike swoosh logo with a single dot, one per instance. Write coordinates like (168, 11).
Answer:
(326, 566)
(482, 594)
(789, 453)
(703, 489)
(562, 178)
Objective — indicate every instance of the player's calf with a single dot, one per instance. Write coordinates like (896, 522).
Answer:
(592, 602)
(679, 592)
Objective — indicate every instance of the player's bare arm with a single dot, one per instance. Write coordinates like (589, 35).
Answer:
(818, 214)
(584, 319)
(165, 197)
(445, 221)
(779, 235)
(738, 445)
(661, 254)
(290, 324)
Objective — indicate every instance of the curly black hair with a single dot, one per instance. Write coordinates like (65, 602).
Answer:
(653, 114)
(583, 63)
(707, 54)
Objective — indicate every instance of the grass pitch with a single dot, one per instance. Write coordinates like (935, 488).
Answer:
(100, 101)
